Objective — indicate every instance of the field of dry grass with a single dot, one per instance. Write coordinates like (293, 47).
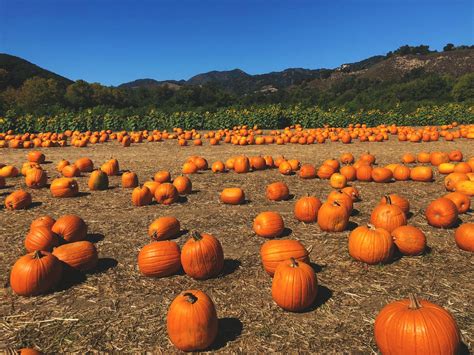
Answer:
(117, 309)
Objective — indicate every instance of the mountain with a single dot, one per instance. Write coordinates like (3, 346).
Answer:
(147, 83)
(15, 70)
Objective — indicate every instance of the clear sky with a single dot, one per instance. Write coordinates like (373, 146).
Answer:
(115, 41)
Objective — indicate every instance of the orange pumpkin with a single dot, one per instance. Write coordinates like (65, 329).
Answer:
(163, 228)
(159, 259)
(232, 196)
(275, 251)
(183, 184)
(462, 201)
(166, 194)
(306, 209)
(441, 213)
(268, 224)
(370, 245)
(333, 217)
(409, 240)
(64, 187)
(18, 200)
(388, 216)
(277, 191)
(464, 237)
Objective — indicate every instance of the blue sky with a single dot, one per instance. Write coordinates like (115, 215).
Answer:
(112, 42)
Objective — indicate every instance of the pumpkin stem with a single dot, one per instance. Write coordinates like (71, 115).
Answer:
(196, 236)
(190, 297)
(370, 226)
(388, 200)
(336, 203)
(414, 303)
(294, 263)
(37, 254)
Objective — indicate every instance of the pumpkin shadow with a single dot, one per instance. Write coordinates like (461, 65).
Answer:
(355, 212)
(95, 237)
(316, 267)
(246, 202)
(46, 162)
(194, 192)
(70, 278)
(409, 215)
(324, 295)
(351, 225)
(35, 204)
(82, 194)
(463, 349)
(181, 233)
(428, 250)
(290, 197)
(182, 199)
(230, 265)
(229, 329)
(104, 264)
(286, 232)
(6, 193)
(456, 224)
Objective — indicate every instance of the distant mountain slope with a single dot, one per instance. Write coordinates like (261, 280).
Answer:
(16, 70)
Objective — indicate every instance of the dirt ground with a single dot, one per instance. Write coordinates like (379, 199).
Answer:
(117, 309)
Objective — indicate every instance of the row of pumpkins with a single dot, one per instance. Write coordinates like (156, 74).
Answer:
(242, 135)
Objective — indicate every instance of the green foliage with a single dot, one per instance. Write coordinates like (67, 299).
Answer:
(463, 90)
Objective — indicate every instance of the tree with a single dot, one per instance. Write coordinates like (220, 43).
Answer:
(79, 94)
(37, 95)
(463, 90)
(448, 47)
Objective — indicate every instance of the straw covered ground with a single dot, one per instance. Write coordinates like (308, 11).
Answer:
(117, 309)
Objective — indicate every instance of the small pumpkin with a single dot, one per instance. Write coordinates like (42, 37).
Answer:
(268, 224)
(152, 186)
(70, 171)
(275, 251)
(62, 163)
(338, 181)
(342, 198)
(464, 237)
(162, 176)
(80, 255)
(465, 187)
(111, 167)
(442, 213)
(43, 221)
(307, 171)
(18, 200)
(397, 200)
(141, 196)
(388, 216)
(189, 168)
(452, 179)
(159, 259)
(401, 173)
(166, 227)
(349, 172)
(462, 201)
(421, 173)
(413, 326)
(277, 191)
(306, 209)
(364, 173)
(191, 321)
(166, 194)
(409, 240)
(36, 157)
(382, 175)
(202, 256)
(36, 178)
(218, 167)
(35, 273)
(71, 228)
(294, 285)
(64, 187)
(352, 192)
(40, 238)
(333, 217)
(370, 245)
(285, 168)
(85, 165)
(98, 181)
(129, 180)
(232, 196)
(241, 165)
(325, 171)
(183, 184)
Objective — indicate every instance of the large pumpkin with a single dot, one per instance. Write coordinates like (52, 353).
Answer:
(268, 224)
(370, 245)
(35, 273)
(241, 165)
(452, 179)
(232, 196)
(464, 237)
(81, 255)
(18, 200)
(388, 216)
(202, 256)
(411, 326)
(441, 213)
(275, 251)
(141, 196)
(465, 187)
(409, 240)
(159, 259)
(462, 201)
(64, 187)
(166, 194)
(183, 184)
(277, 191)
(36, 178)
(333, 217)
(163, 228)
(71, 228)
(43, 221)
(40, 238)
(192, 321)
(306, 209)
(294, 285)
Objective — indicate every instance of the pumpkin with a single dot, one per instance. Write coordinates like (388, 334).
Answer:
(370, 245)
(306, 209)
(232, 196)
(369, 158)
(80, 255)
(191, 321)
(189, 168)
(64, 187)
(421, 173)
(333, 217)
(183, 185)
(364, 173)
(70, 171)
(162, 176)
(166, 194)
(257, 163)
(35, 273)
(346, 158)
(241, 165)
(98, 181)
(159, 259)
(352, 192)
(152, 186)
(382, 175)
(285, 168)
(409, 240)
(462, 201)
(342, 198)
(275, 251)
(44, 221)
(36, 157)
(455, 155)
(29, 351)
(464, 237)
(36, 178)
(71, 228)
(111, 167)
(401, 173)
(202, 256)
(141, 196)
(129, 180)
(465, 187)
(462, 168)
(166, 227)
(325, 171)
(452, 179)
(408, 158)
(40, 238)
(85, 165)
(218, 167)
(437, 158)
(413, 326)
(446, 168)
(62, 164)
(388, 216)
(18, 200)
(442, 213)
(9, 171)
(349, 172)
(307, 171)
(201, 163)
(277, 191)
(338, 181)
(294, 285)
(397, 200)
(27, 166)
(268, 224)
